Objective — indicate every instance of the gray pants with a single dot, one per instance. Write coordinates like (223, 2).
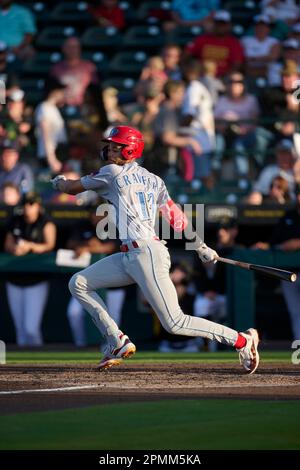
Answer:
(291, 294)
(148, 266)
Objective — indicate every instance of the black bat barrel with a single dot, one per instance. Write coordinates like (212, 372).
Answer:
(274, 272)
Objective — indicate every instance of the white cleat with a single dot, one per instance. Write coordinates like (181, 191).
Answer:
(113, 357)
(249, 357)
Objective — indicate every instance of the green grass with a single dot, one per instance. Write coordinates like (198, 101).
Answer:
(88, 357)
(172, 424)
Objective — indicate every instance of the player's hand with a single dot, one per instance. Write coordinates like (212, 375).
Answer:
(55, 181)
(206, 254)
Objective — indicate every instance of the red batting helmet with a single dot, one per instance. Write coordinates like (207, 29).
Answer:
(130, 137)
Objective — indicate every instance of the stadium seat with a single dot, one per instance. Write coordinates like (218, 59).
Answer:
(150, 37)
(41, 63)
(71, 13)
(53, 37)
(101, 38)
(182, 35)
(154, 11)
(99, 59)
(128, 63)
(39, 9)
(125, 87)
(34, 90)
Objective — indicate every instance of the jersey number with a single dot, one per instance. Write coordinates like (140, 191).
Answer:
(146, 205)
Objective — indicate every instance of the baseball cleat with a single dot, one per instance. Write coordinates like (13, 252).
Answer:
(249, 357)
(113, 357)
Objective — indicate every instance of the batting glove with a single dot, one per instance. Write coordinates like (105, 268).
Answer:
(206, 254)
(55, 181)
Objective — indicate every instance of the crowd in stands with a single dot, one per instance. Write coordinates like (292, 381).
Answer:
(221, 105)
(213, 108)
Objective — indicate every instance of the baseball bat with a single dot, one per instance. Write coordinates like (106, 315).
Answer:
(267, 270)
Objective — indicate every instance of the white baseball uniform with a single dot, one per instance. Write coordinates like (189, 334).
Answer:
(136, 194)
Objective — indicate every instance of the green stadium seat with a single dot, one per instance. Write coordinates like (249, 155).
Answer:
(99, 59)
(144, 37)
(39, 9)
(182, 35)
(101, 38)
(71, 12)
(52, 37)
(125, 87)
(41, 63)
(148, 11)
(128, 63)
(34, 90)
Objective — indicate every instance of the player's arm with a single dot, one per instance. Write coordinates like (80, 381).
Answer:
(180, 223)
(67, 186)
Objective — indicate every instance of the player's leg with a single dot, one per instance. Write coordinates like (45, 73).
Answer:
(115, 301)
(35, 298)
(150, 268)
(15, 302)
(108, 272)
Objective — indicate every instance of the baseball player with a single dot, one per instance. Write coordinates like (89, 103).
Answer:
(144, 259)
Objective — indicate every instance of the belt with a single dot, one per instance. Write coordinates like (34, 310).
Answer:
(133, 244)
(124, 248)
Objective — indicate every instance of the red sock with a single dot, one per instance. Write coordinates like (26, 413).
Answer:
(240, 342)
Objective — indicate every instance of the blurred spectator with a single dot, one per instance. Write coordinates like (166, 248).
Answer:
(277, 100)
(210, 279)
(85, 131)
(286, 10)
(17, 28)
(279, 193)
(286, 128)
(199, 120)
(85, 240)
(108, 13)
(261, 49)
(286, 237)
(153, 75)
(181, 276)
(284, 167)
(10, 194)
(114, 114)
(30, 232)
(290, 51)
(235, 106)
(208, 77)
(7, 74)
(50, 127)
(219, 46)
(166, 126)
(74, 72)
(194, 13)
(11, 170)
(17, 122)
(171, 56)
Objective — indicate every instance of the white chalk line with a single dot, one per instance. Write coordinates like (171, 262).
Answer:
(87, 387)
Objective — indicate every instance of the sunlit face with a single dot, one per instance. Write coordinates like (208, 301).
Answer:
(10, 196)
(171, 57)
(114, 153)
(236, 86)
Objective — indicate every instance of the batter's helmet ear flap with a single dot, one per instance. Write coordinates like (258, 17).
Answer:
(104, 153)
(128, 152)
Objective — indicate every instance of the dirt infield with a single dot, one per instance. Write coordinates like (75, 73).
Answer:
(25, 388)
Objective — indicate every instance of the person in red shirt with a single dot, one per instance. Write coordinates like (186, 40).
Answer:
(220, 46)
(74, 72)
(108, 13)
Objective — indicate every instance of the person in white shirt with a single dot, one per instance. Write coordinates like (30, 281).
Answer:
(284, 166)
(50, 126)
(260, 49)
